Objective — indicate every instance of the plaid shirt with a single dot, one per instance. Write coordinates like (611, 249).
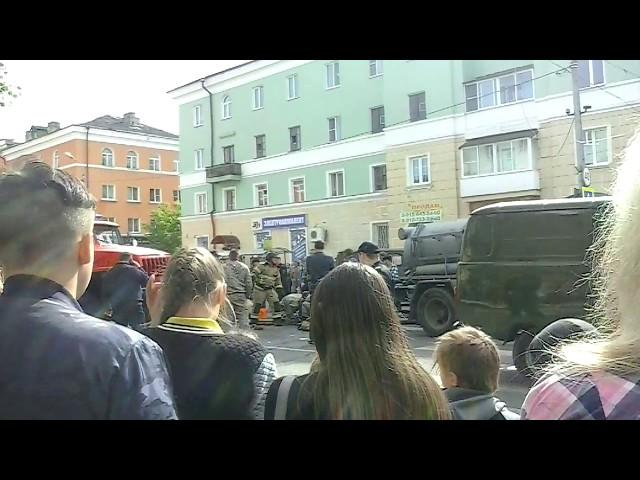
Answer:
(598, 396)
(395, 276)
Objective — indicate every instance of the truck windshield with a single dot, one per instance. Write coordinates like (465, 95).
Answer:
(108, 235)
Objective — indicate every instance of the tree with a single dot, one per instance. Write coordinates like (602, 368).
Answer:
(7, 92)
(165, 232)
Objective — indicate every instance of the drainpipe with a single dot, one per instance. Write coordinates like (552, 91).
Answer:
(86, 157)
(213, 194)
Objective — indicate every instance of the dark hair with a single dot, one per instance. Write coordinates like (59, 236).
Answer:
(255, 260)
(319, 245)
(125, 257)
(367, 369)
(233, 255)
(41, 212)
(386, 256)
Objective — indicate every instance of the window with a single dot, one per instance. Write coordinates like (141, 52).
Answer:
(596, 146)
(417, 107)
(419, 170)
(334, 129)
(261, 195)
(176, 165)
(228, 154)
(133, 225)
(336, 184)
(292, 87)
(132, 160)
(202, 241)
(379, 177)
(261, 146)
(176, 196)
(108, 192)
(380, 234)
(297, 190)
(294, 139)
(107, 158)
(377, 119)
(155, 195)
(375, 68)
(333, 74)
(56, 159)
(111, 219)
(154, 164)
(502, 90)
(590, 73)
(258, 98)
(133, 194)
(226, 107)
(229, 199)
(502, 157)
(199, 158)
(201, 203)
(197, 116)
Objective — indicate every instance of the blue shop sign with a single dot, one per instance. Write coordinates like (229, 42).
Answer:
(284, 222)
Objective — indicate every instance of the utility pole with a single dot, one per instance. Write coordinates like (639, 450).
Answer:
(579, 133)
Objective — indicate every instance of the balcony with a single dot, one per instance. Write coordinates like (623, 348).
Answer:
(500, 183)
(224, 172)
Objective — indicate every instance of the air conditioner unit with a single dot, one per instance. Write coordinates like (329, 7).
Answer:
(317, 234)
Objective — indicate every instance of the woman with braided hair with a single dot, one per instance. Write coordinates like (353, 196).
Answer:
(217, 374)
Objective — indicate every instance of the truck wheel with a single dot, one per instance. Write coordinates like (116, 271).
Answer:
(519, 352)
(436, 313)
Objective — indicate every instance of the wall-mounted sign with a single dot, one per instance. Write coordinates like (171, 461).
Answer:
(285, 222)
(256, 225)
(421, 213)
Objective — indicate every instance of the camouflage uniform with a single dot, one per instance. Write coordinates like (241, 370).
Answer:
(239, 289)
(267, 281)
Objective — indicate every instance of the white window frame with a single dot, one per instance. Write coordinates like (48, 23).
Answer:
(111, 219)
(138, 230)
(264, 145)
(198, 152)
(176, 200)
(176, 165)
(160, 195)
(337, 130)
(372, 238)
(344, 183)
(495, 159)
(293, 77)
(409, 167)
(196, 202)
(496, 90)
(137, 160)
(109, 152)
(255, 238)
(304, 189)
(137, 189)
(197, 116)
(55, 160)
(108, 199)
(260, 91)
(225, 114)
(335, 75)
(256, 197)
(197, 237)
(591, 82)
(372, 178)
(609, 147)
(159, 169)
(224, 199)
(379, 68)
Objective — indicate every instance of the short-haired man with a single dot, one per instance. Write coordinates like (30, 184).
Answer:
(239, 288)
(267, 282)
(56, 362)
(369, 254)
(123, 286)
(317, 266)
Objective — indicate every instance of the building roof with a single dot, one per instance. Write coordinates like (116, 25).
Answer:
(212, 75)
(107, 122)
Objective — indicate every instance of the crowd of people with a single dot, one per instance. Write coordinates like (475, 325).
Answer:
(197, 358)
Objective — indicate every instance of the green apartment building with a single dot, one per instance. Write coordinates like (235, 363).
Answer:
(287, 151)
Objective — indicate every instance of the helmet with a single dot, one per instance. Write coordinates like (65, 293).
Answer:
(270, 256)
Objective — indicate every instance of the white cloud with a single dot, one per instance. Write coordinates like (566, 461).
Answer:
(76, 91)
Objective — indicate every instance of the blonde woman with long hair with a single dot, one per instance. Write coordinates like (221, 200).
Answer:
(365, 369)
(599, 378)
(217, 373)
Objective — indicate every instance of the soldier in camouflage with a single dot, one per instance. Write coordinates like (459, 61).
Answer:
(239, 288)
(267, 282)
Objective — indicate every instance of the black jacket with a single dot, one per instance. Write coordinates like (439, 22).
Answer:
(382, 269)
(317, 266)
(299, 402)
(56, 362)
(474, 405)
(123, 285)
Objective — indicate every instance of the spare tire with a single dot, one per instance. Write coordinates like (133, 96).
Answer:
(436, 312)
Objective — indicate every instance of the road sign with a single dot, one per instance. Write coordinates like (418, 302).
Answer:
(586, 177)
(588, 192)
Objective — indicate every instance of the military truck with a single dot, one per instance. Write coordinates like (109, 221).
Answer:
(429, 273)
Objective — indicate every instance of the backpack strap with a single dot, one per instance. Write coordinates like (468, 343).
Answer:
(283, 398)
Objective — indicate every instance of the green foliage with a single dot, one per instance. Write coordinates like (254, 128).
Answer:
(7, 92)
(164, 228)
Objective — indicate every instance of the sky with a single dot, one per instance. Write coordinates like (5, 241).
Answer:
(76, 91)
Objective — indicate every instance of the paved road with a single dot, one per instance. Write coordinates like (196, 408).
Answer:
(294, 354)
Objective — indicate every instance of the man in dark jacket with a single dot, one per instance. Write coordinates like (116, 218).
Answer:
(317, 266)
(123, 286)
(369, 254)
(56, 362)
